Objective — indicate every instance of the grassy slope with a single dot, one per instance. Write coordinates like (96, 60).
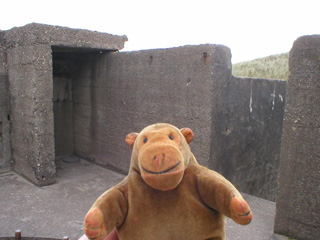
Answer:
(271, 67)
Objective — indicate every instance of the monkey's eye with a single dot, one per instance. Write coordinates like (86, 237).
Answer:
(145, 140)
(170, 136)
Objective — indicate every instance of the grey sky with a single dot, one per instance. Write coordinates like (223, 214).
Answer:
(251, 29)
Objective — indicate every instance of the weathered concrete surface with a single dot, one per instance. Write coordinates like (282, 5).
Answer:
(237, 122)
(29, 64)
(5, 148)
(298, 211)
(119, 93)
(32, 137)
(41, 34)
(114, 93)
(58, 210)
(247, 134)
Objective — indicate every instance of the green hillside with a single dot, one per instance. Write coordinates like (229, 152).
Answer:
(272, 67)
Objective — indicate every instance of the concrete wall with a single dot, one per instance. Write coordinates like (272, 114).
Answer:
(237, 122)
(298, 211)
(5, 147)
(118, 93)
(247, 130)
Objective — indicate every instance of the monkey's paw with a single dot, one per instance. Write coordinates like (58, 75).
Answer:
(94, 226)
(240, 211)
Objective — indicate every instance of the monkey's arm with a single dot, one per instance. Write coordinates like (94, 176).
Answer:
(107, 212)
(219, 194)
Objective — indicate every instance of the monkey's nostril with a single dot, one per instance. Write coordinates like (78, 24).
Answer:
(155, 157)
(163, 155)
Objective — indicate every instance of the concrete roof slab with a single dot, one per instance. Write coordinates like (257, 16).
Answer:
(34, 33)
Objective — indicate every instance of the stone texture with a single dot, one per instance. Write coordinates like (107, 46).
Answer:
(298, 212)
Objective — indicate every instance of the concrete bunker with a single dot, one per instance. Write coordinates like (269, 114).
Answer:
(72, 93)
(37, 59)
(38, 121)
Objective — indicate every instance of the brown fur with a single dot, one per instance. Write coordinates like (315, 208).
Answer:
(162, 198)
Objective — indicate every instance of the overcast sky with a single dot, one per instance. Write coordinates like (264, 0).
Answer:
(251, 29)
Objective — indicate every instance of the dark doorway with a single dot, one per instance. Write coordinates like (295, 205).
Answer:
(63, 102)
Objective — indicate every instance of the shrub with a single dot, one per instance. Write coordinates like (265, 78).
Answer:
(271, 67)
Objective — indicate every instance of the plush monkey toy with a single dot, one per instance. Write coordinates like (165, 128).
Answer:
(167, 195)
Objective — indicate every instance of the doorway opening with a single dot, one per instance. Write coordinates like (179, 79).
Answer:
(63, 102)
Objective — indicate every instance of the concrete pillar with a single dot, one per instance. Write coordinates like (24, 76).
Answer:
(31, 90)
(298, 208)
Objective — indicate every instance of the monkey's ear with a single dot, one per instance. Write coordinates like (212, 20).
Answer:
(188, 134)
(131, 138)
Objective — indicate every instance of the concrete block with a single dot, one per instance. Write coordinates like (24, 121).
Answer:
(33, 144)
(297, 208)
(34, 33)
(25, 55)
(31, 74)
(35, 162)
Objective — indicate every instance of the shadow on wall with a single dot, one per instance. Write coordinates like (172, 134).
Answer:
(5, 147)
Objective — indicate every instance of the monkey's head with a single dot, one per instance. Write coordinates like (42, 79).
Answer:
(160, 154)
